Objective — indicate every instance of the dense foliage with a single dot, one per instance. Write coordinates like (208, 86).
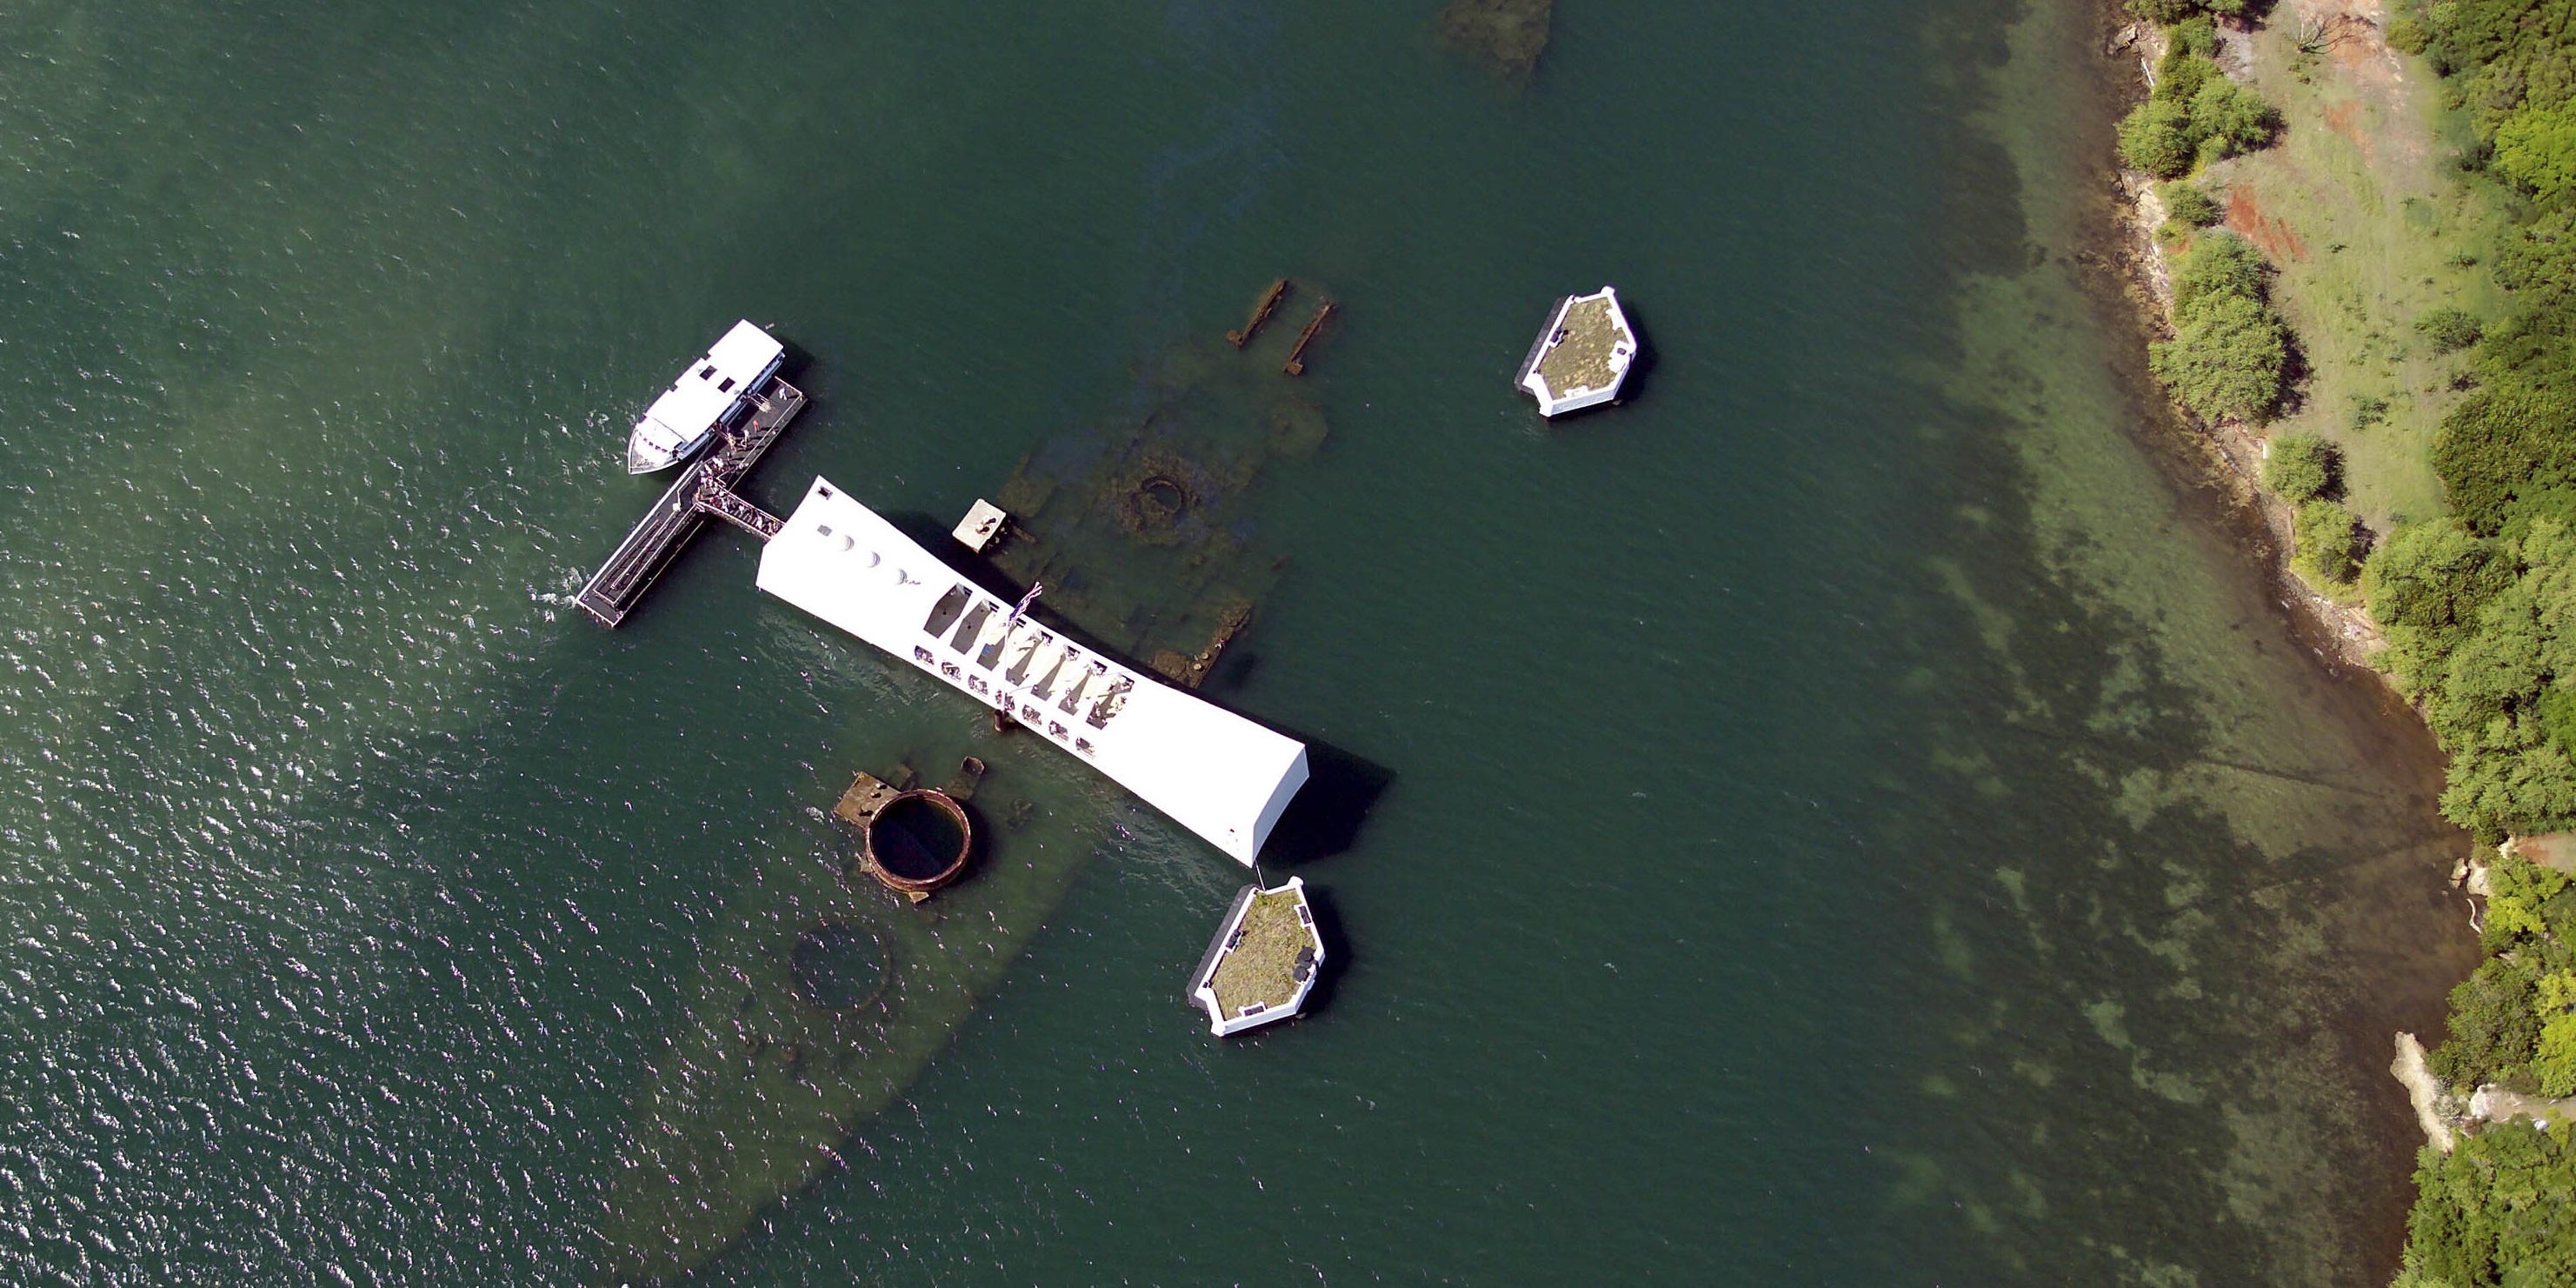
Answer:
(2480, 613)
(2331, 541)
(2302, 467)
(2167, 12)
(2501, 1207)
(2195, 114)
(2502, 695)
(2228, 350)
(2483, 633)
(2188, 204)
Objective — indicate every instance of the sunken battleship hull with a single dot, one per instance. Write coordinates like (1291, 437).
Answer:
(819, 996)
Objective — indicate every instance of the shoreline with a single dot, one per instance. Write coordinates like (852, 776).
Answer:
(2345, 635)
(2129, 276)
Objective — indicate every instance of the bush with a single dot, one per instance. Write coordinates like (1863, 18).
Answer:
(2408, 34)
(2224, 360)
(2449, 329)
(2425, 584)
(2302, 467)
(2330, 541)
(2188, 204)
(2506, 453)
(2537, 149)
(2230, 118)
(2163, 12)
(2494, 1026)
(2219, 264)
(2194, 34)
(2157, 138)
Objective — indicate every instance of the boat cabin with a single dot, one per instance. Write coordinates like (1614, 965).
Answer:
(709, 395)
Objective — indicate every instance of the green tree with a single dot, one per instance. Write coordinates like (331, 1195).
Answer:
(2225, 359)
(2191, 34)
(2500, 692)
(2302, 467)
(2537, 148)
(2219, 264)
(2188, 204)
(2553, 1060)
(2508, 452)
(2539, 262)
(2485, 700)
(2494, 1026)
(2163, 12)
(2425, 584)
(2228, 118)
(2194, 114)
(2329, 538)
(2157, 138)
(2184, 69)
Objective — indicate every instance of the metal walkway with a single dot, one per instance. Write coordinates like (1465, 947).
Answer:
(703, 490)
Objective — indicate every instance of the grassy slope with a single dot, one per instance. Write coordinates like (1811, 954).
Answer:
(2361, 207)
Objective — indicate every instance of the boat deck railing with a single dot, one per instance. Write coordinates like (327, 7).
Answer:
(703, 490)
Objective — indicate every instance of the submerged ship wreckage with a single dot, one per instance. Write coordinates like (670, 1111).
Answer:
(823, 989)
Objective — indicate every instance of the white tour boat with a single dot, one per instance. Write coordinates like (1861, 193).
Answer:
(709, 396)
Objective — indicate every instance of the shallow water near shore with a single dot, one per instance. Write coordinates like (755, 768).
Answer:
(1852, 814)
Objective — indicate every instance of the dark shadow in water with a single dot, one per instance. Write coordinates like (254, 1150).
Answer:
(1337, 951)
(1325, 818)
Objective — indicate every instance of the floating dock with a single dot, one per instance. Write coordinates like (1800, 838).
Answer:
(1262, 963)
(1212, 771)
(703, 491)
(1582, 356)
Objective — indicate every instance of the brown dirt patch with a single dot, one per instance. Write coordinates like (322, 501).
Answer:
(2345, 119)
(2352, 39)
(2268, 234)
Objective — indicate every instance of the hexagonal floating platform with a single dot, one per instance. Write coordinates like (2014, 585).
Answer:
(1583, 355)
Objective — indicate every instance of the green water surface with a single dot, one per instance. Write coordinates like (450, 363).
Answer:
(1850, 815)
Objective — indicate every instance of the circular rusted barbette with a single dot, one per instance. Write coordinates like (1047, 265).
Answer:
(1162, 497)
(918, 841)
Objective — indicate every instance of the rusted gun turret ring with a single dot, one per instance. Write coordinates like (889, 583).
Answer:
(919, 841)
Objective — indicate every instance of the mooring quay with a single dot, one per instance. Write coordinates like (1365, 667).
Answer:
(1214, 772)
(704, 491)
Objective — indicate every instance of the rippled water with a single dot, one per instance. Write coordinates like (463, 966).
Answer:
(1850, 814)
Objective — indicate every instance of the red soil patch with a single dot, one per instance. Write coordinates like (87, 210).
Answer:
(2345, 119)
(2270, 235)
